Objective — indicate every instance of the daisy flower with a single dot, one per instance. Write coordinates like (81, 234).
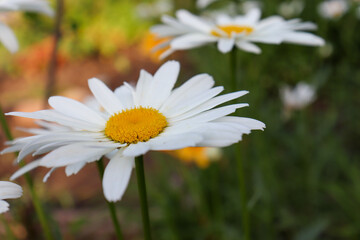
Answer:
(133, 121)
(201, 156)
(297, 98)
(7, 37)
(204, 3)
(333, 9)
(8, 190)
(190, 31)
(292, 8)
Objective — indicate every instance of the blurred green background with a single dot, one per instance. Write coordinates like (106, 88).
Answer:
(302, 172)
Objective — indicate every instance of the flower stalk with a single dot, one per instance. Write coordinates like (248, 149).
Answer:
(111, 205)
(139, 163)
(39, 209)
(239, 158)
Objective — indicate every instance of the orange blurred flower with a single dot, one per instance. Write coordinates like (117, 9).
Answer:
(150, 41)
(201, 156)
(36, 58)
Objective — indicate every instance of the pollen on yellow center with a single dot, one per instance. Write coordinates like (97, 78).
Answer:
(135, 125)
(228, 29)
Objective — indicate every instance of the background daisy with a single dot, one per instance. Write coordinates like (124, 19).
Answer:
(191, 31)
(7, 37)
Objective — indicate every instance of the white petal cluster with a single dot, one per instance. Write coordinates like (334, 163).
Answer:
(8, 190)
(7, 36)
(298, 97)
(291, 9)
(333, 9)
(192, 112)
(248, 5)
(203, 3)
(189, 31)
(155, 9)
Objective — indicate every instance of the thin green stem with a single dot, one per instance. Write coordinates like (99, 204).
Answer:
(44, 220)
(111, 205)
(239, 158)
(139, 163)
(233, 70)
(243, 195)
(4, 125)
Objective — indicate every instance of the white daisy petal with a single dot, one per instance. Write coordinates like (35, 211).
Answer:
(253, 15)
(188, 90)
(53, 116)
(4, 206)
(209, 104)
(125, 95)
(304, 39)
(248, 47)
(75, 109)
(194, 102)
(215, 113)
(226, 44)
(73, 169)
(73, 153)
(48, 174)
(248, 122)
(192, 20)
(105, 96)
(35, 6)
(7, 37)
(9, 190)
(142, 87)
(163, 83)
(134, 150)
(173, 142)
(116, 177)
(191, 40)
(25, 169)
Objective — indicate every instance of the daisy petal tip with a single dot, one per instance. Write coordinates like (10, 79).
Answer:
(112, 198)
(93, 81)
(175, 65)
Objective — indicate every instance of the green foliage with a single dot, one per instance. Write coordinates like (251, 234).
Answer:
(101, 27)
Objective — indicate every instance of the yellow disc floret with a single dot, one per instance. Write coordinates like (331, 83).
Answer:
(135, 125)
(228, 29)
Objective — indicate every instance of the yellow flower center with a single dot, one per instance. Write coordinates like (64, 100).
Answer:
(135, 125)
(229, 29)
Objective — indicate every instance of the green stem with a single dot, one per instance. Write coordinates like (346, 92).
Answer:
(44, 221)
(243, 197)
(111, 205)
(233, 70)
(139, 163)
(239, 158)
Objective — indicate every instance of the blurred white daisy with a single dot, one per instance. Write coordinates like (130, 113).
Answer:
(7, 37)
(298, 97)
(333, 9)
(134, 120)
(358, 12)
(190, 31)
(8, 190)
(291, 9)
(248, 5)
(154, 9)
(204, 3)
